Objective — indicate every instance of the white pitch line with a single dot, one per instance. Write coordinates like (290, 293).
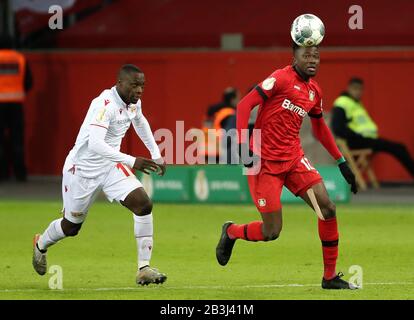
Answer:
(166, 287)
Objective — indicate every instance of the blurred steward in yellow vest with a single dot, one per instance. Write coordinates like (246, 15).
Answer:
(351, 121)
(221, 115)
(15, 81)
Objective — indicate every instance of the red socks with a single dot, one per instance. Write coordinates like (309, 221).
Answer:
(328, 233)
(250, 232)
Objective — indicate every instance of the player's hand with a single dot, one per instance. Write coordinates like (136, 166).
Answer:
(349, 176)
(145, 165)
(162, 167)
(246, 156)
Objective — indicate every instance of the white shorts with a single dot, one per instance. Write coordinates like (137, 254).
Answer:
(79, 193)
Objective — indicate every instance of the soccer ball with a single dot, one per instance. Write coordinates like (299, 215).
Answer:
(307, 30)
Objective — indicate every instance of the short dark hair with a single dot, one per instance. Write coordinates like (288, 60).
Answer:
(356, 80)
(128, 69)
(229, 94)
(295, 46)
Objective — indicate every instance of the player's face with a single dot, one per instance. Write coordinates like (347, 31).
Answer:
(132, 87)
(307, 60)
(355, 90)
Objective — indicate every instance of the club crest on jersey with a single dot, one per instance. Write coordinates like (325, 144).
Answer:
(262, 202)
(269, 83)
(101, 115)
(311, 95)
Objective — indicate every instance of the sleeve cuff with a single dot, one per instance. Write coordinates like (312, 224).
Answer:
(156, 154)
(340, 160)
(130, 161)
(316, 116)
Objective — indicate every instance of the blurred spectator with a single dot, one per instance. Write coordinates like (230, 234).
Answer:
(223, 116)
(230, 99)
(351, 121)
(15, 81)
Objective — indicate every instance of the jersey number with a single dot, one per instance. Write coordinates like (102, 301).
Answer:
(307, 164)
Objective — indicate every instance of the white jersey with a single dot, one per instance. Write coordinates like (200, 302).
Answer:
(99, 139)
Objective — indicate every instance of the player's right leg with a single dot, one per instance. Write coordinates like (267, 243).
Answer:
(265, 190)
(57, 230)
(78, 194)
(266, 230)
(140, 204)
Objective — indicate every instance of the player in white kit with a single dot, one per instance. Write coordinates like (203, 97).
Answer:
(95, 164)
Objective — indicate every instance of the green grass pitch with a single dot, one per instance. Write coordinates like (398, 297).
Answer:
(100, 263)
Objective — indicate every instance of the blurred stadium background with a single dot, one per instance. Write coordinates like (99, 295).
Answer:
(190, 52)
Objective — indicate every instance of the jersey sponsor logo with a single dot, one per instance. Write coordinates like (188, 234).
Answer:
(269, 83)
(123, 121)
(311, 95)
(106, 101)
(262, 202)
(294, 108)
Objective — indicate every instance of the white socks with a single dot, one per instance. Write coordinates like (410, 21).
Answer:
(52, 234)
(143, 229)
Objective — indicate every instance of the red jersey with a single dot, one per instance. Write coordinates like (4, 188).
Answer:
(287, 99)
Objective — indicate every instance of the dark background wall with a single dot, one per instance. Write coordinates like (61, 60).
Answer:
(180, 85)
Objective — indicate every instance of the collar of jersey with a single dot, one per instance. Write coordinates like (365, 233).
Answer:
(119, 99)
(292, 68)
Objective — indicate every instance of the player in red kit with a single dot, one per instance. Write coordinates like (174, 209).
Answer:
(285, 98)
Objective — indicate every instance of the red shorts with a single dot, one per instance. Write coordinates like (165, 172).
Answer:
(297, 175)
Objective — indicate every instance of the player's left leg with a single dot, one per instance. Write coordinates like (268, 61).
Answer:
(78, 194)
(265, 189)
(302, 177)
(329, 236)
(123, 186)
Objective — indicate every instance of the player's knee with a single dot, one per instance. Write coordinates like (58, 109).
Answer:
(272, 234)
(70, 229)
(142, 208)
(328, 210)
(146, 208)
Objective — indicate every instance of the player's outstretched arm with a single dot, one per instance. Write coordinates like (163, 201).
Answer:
(244, 107)
(143, 130)
(324, 135)
(98, 145)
